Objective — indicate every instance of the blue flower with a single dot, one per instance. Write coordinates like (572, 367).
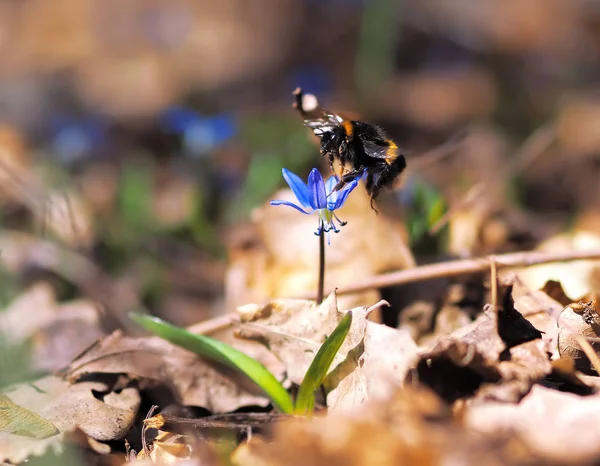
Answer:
(318, 196)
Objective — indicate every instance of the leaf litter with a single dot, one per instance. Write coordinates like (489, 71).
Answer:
(493, 390)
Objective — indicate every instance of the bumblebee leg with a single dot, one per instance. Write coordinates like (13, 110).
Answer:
(348, 177)
(369, 182)
(374, 191)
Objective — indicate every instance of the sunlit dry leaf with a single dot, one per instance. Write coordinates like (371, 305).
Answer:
(294, 330)
(387, 356)
(21, 421)
(168, 448)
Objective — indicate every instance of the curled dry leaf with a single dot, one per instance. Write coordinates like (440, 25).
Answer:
(477, 362)
(371, 363)
(294, 330)
(90, 406)
(269, 264)
(541, 311)
(195, 382)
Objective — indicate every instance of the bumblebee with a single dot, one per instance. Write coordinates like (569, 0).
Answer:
(363, 150)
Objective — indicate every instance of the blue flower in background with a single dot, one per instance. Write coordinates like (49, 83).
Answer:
(201, 134)
(75, 137)
(318, 196)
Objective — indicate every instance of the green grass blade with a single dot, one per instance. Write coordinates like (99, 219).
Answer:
(317, 371)
(222, 353)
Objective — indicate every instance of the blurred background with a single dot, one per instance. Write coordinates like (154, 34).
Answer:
(137, 137)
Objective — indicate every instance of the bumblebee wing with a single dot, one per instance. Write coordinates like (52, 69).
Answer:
(323, 124)
(379, 151)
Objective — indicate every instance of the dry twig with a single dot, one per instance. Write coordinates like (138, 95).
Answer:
(462, 267)
(589, 351)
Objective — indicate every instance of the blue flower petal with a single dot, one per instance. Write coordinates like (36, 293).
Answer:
(291, 204)
(339, 201)
(316, 190)
(298, 187)
(329, 185)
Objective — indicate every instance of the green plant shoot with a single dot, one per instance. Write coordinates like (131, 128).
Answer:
(317, 371)
(222, 353)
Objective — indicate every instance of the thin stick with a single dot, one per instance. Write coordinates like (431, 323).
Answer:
(427, 272)
(494, 275)
(589, 351)
(321, 285)
(462, 267)
(144, 428)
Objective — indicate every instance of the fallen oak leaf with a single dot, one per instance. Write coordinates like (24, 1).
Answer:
(294, 330)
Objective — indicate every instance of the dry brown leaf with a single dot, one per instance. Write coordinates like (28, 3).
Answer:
(68, 407)
(559, 426)
(294, 330)
(194, 380)
(412, 427)
(371, 364)
(474, 362)
(271, 264)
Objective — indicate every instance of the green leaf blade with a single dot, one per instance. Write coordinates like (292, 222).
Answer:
(222, 353)
(317, 371)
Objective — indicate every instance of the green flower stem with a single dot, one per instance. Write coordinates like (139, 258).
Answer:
(321, 285)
